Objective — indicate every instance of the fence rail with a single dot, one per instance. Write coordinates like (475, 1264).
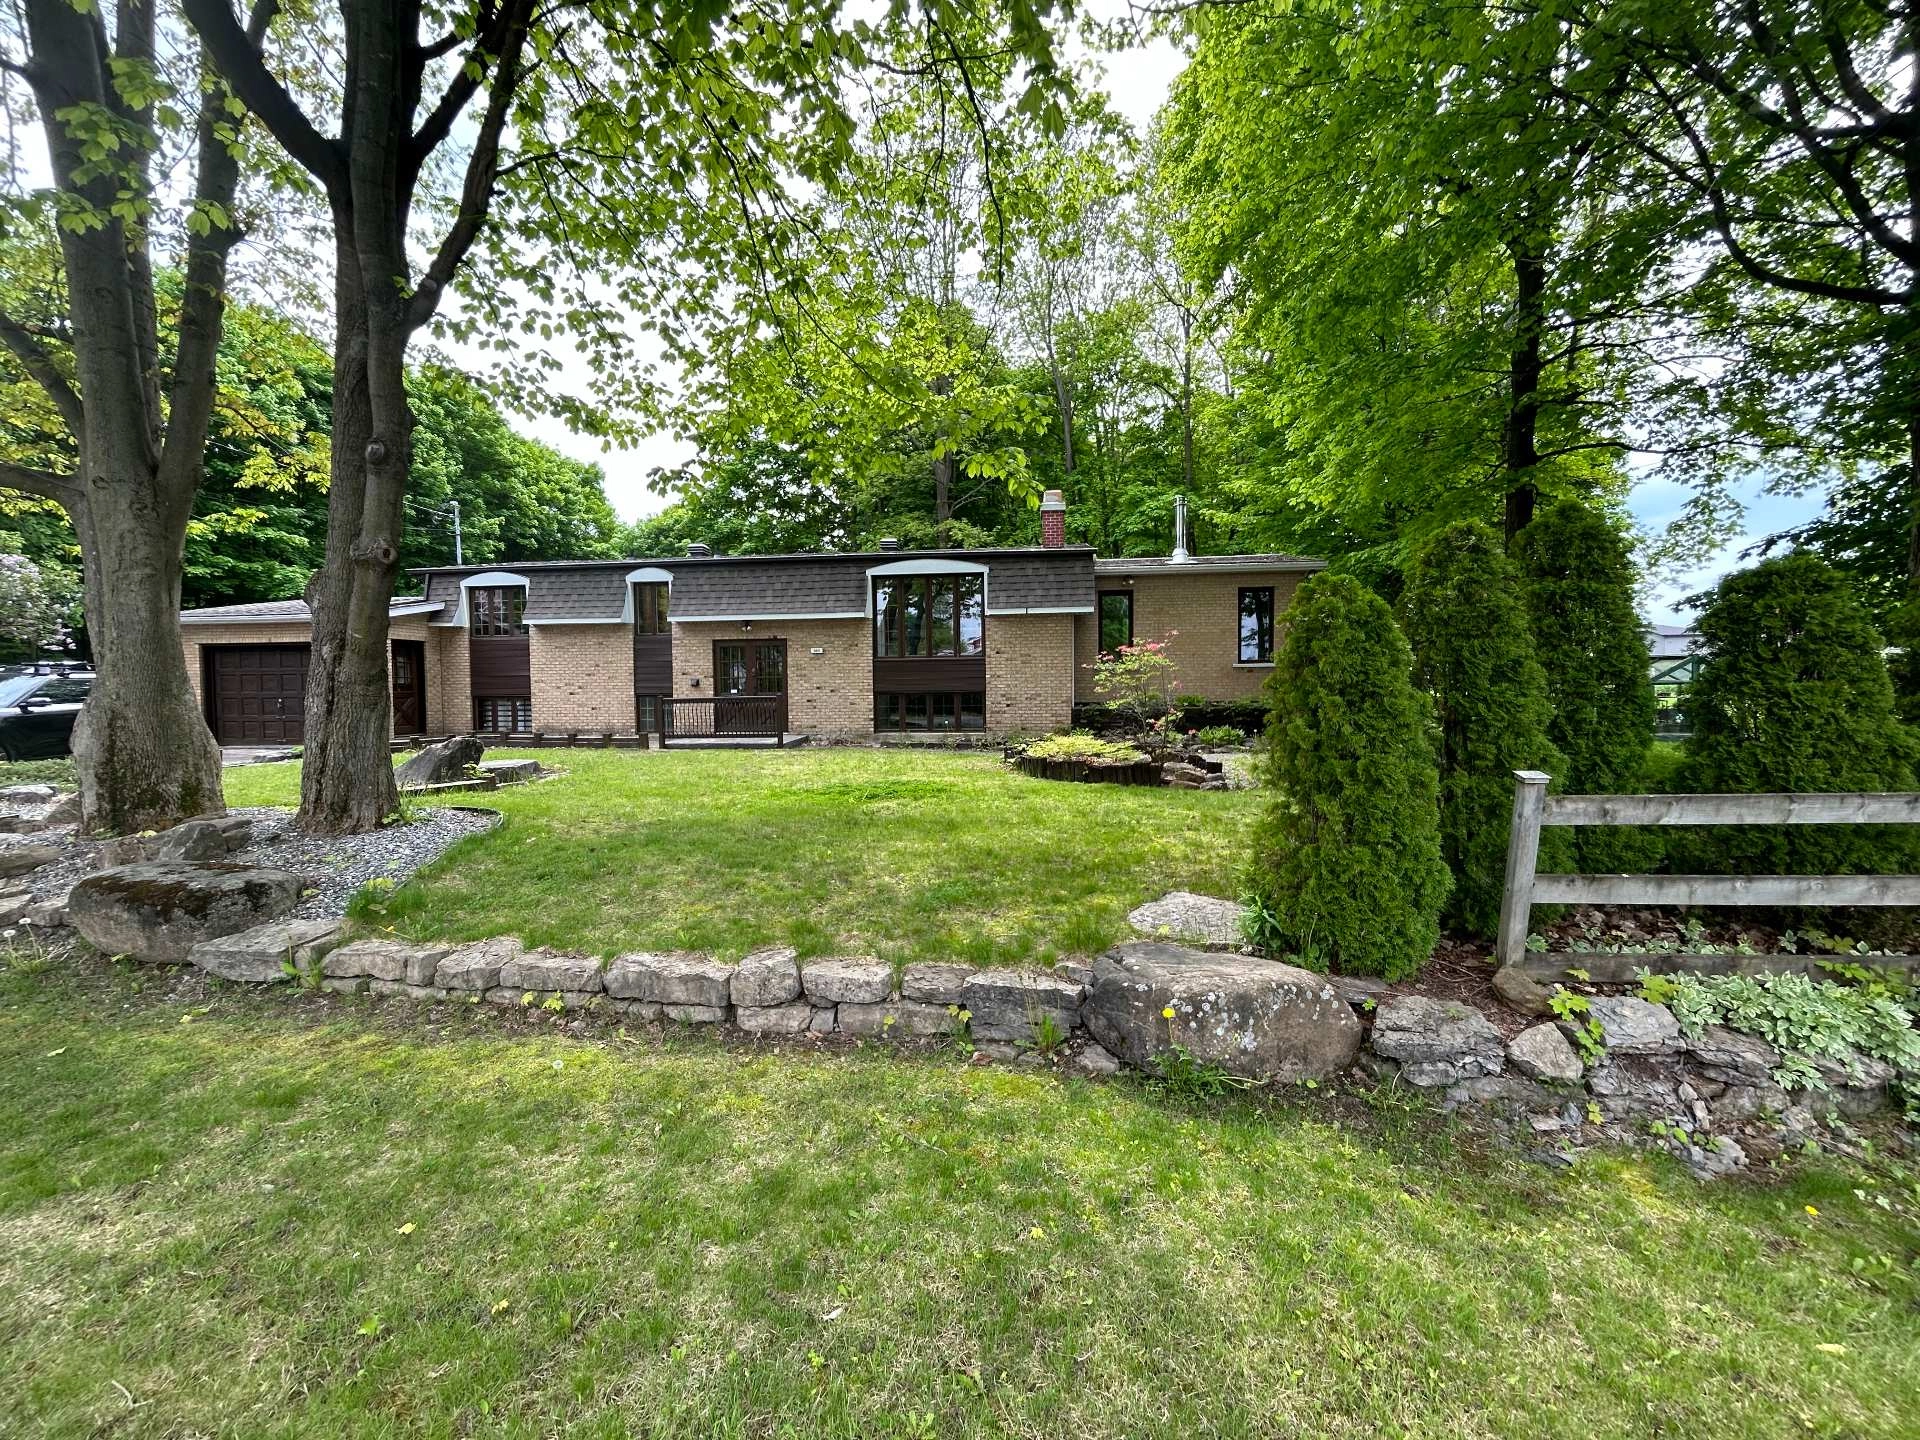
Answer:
(1533, 808)
(724, 717)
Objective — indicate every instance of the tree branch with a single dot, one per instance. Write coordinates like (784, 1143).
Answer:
(64, 489)
(40, 368)
(237, 56)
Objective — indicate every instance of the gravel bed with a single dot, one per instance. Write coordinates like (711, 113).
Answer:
(331, 866)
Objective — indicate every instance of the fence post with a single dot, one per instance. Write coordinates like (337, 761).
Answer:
(1523, 854)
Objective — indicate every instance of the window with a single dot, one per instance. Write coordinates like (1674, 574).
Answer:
(65, 690)
(503, 713)
(929, 615)
(496, 610)
(1116, 620)
(1256, 626)
(964, 711)
(646, 709)
(650, 609)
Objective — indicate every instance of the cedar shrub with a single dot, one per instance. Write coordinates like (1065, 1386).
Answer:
(1577, 578)
(1466, 620)
(1793, 695)
(1347, 870)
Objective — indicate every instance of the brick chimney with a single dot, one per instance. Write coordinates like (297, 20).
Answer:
(1053, 519)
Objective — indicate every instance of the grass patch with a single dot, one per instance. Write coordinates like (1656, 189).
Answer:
(37, 772)
(297, 1217)
(906, 855)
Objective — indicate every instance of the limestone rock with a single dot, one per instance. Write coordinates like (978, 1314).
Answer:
(847, 980)
(935, 982)
(260, 956)
(792, 1017)
(1521, 991)
(159, 912)
(510, 772)
(195, 840)
(676, 979)
(29, 809)
(1543, 1053)
(390, 960)
(1360, 991)
(545, 970)
(826, 1018)
(766, 978)
(695, 1014)
(1437, 1042)
(19, 859)
(1632, 1026)
(1733, 1058)
(1013, 1004)
(437, 764)
(1258, 1018)
(476, 966)
(1195, 919)
(13, 907)
(1093, 1059)
(895, 1018)
(49, 913)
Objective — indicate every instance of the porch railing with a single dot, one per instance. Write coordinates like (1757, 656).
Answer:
(724, 717)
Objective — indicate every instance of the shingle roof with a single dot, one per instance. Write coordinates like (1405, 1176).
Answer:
(591, 595)
(1053, 582)
(784, 587)
(1153, 563)
(294, 610)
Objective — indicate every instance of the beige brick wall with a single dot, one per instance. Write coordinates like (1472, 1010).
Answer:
(1204, 606)
(827, 694)
(582, 678)
(1030, 672)
(449, 682)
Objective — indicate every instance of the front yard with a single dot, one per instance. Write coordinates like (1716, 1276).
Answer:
(903, 855)
(231, 1213)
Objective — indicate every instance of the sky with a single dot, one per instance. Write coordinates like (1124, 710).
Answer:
(1138, 82)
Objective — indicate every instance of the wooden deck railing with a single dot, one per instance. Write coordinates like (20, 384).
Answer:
(1533, 808)
(724, 717)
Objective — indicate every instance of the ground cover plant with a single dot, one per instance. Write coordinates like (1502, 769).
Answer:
(235, 1213)
(906, 855)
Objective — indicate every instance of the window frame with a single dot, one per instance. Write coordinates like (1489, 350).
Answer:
(1265, 638)
(952, 702)
(482, 620)
(1100, 619)
(483, 703)
(650, 605)
(919, 596)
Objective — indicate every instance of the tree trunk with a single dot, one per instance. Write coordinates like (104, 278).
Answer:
(1520, 440)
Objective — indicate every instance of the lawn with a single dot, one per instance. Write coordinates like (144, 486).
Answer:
(241, 1214)
(902, 854)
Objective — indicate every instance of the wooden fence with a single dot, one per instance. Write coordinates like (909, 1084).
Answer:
(1534, 808)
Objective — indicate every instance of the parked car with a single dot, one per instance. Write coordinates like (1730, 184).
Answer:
(38, 705)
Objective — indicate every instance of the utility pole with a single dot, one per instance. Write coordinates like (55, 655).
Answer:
(458, 557)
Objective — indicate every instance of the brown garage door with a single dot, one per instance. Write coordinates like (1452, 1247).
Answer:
(257, 694)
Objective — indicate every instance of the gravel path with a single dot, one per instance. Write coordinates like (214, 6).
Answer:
(332, 866)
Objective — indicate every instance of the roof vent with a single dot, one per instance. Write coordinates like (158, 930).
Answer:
(1180, 528)
(890, 543)
(698, 550)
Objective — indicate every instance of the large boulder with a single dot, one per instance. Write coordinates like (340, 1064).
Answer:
(268, 953)
(438, 764)
(1437, 1042)
(1195, 919)
(159, 912)
(1252, 1017)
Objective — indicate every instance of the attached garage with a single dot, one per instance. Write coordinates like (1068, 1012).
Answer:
(256, 694)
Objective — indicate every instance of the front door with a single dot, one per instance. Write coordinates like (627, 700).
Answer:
(750, 668)
(409, 687)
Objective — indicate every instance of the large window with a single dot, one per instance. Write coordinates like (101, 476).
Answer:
(503, 713)
(650, 609)
(496, 610)
(928, 615)
(966, 711)
(1256, 625)
(1116, 620)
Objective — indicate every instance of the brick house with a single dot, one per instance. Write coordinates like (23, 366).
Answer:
(832, 645)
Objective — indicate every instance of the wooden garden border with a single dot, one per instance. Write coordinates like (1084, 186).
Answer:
(1534, 808)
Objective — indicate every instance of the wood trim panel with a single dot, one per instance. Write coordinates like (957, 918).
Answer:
(500, 665)
(929, 675)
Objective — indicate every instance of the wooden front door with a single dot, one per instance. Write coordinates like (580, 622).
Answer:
(749, 668)
(409, 670)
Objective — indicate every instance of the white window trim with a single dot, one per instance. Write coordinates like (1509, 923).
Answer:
(930, 567)
(756, 619)
(486, 579)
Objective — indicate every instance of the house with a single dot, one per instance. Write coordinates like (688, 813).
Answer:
(1673, 653)
(834, 645)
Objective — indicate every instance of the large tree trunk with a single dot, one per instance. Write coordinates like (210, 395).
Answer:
(1520, 440)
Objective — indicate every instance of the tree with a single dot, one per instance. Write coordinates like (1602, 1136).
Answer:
(137, 421)
(1577, 578)
(1347, 870)
(609, 136)
(37, 603)
(1466, 620)
(1793, 695)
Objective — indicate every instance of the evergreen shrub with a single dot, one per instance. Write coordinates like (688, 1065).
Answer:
(1347, 872)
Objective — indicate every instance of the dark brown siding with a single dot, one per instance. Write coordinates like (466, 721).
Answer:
(256, 694)
(653, 664)
(500, 665)
(929, 676)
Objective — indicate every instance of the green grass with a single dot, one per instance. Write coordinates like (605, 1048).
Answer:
(906, 855)
(204, 1229)
(36, 772)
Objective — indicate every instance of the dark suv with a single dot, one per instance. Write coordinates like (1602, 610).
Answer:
(38, 705)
